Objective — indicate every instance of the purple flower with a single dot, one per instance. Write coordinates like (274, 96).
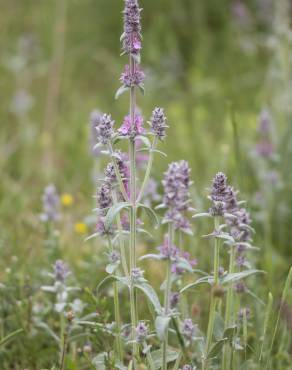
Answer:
(240, 287)
(114, 257)
(176, 194)
(127, 130)
(51, 204)
(131, 37)
(141, 332)
(187, 367)
(174, 299)
(135, 78)
(61, 271)
(102, 230)
(244, 312)
(219, 194)
(158, 123)
(188, 329)
(168, 251)
(104, 127)
(104, 198)
(137, 274)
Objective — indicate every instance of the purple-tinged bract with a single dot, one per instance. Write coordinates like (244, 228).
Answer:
(132, 78)
(104, 128)
(61, 271)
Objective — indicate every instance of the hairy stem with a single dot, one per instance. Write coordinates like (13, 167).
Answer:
(117, 172)
(228, 313)
(120, 239)
(213, 301)
(167, 298)
(133, 223)
(148, 169)
(117, 314)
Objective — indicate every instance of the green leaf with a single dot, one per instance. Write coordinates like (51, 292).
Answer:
(203, 280)
(218, 327)
(150, 294)
(10, 336)
(230, 332)
(112, 278)
(216, 348)
(121, 91)
(144, 139)
(114, 211)
(157, 357)
(240, 275)
(161, 326)
(150, 212)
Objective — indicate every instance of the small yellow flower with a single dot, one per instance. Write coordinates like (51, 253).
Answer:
(81, 228)
(67, 200)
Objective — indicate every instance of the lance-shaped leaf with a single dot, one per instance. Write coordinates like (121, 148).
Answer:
(114, 211)
(152, 215)
(161, 326)
(150, 294)
(121, 91)
(203, 280)
(216, 348)
(230, 332)
(157, 357)
(144, 139)
(231, 278)
(10, 336)
(112, 278)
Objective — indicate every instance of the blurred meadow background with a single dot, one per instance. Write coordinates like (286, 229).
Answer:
(223, 72)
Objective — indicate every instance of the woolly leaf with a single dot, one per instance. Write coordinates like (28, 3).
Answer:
(216, 348)
(161, 326)
(157, 357)
(200, 281)
(113, 212)
(121, 91)
(150, 212)
(150, 294)
(240, 275)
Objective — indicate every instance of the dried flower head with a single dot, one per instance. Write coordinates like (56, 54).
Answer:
(158, 123)
(131, 38)
(51, 204)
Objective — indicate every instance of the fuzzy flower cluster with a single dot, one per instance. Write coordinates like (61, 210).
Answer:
(61, 271)
(51, 204)
(132, 129)
(104, 127)
(132, 78)
(131, 38)
(180, 260)
(265, 147)
(110, 174)
(141, 331)
(226, 204)
(188, 329)
(176, 198)
(158, 123)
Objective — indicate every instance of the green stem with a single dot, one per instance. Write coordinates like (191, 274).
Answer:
(213, 301)
(63, 339)
(117, 314)
(228, 313)
(117, 173)
(133, 223)
(149, 357)
(120, 239)
(167, 298)
(148, 169)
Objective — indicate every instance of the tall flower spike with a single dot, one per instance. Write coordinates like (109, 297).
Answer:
(104, 128)
(131, 38)
(219, 194)
(104, 198)
(176, 195)
(158, 123)
(51, 204)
